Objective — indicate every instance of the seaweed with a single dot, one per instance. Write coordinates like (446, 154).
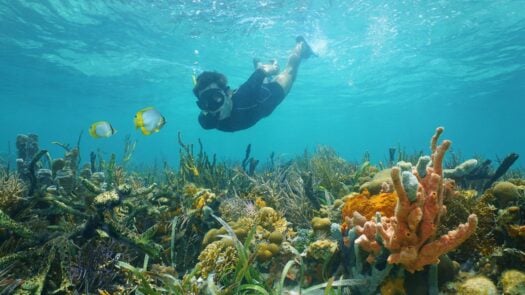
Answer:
(199, 169)
(129, 149)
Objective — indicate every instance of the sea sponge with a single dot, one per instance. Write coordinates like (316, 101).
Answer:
(513, 282)
(478, 285)
(384, 203)
(276, 237)
(266, 251)
(321, 224)
(506, 193)
(263, 255)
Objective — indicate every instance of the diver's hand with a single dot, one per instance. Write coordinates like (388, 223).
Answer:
(269, 69)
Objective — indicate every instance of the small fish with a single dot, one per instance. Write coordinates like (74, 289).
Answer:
(101, 129)
(149, 120)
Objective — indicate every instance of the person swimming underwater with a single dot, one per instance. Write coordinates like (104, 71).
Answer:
(232, 110)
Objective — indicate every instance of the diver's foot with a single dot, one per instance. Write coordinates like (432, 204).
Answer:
(306, 50)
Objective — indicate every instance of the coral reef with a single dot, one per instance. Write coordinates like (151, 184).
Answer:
(312, 223)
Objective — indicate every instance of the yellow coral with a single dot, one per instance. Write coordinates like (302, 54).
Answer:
(468, 194)
(192, 168)
(270, 220)
(478, 285)
(321, 249)
(393, 286)
(259, 202)
(219, 257)
(384, 203)
(270, 230)
(513, 282)
(12, 189)
(203, 197)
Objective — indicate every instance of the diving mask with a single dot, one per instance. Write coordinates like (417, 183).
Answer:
(211, 98)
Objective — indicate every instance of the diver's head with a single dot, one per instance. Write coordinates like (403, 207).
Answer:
(211, 91)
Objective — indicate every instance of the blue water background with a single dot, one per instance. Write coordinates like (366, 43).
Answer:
(388, 73)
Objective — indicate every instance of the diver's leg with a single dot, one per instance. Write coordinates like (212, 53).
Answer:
(287, 76)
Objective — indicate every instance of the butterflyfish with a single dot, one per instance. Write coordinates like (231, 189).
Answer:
(101, 129)
(149, 121)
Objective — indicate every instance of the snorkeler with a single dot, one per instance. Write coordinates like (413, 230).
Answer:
(233, 110)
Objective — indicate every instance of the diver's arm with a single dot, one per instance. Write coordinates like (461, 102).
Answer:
(254, 82)
(207, 121)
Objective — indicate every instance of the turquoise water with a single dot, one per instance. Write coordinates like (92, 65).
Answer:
(388, 73)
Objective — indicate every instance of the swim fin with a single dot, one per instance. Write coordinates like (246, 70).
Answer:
(306, 51)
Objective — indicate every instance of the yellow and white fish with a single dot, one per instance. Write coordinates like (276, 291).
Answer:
(149, 120)
(101, 129)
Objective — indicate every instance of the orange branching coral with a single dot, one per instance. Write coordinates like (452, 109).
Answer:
(384, 203)
(409, 235)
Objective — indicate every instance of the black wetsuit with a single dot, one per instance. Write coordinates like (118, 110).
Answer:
(253, 101)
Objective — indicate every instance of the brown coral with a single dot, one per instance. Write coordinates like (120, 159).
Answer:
(506, 193)
(459, 208)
